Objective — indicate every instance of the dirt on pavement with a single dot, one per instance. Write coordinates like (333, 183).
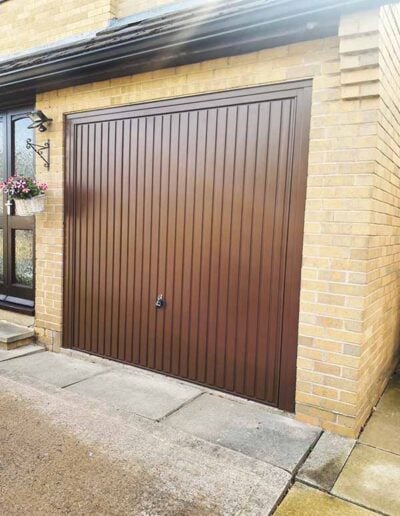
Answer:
(46, 471)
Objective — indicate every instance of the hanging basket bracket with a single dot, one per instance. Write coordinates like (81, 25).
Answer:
(43, 151)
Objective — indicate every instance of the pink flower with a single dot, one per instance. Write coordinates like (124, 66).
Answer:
(21, 187)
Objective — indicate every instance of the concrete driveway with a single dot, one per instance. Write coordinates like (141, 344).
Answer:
(83, 436)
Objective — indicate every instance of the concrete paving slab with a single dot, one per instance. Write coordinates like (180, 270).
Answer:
(149, 395)
(53, 368)
(390, 401)
(371, 478)
(170, 472)
(10, 332)
(383, 431)
(306, 501)
(326, 461)
(20, 352)
(248, 428)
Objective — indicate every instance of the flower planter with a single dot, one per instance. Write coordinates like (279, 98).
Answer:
(27, 194)
(29, 207)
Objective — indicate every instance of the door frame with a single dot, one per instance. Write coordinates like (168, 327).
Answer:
(301, 92)
(16, 298)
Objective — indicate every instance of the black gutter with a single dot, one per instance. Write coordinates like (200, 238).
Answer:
(222, 28)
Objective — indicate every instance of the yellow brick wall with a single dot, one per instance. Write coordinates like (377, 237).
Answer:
(36, 23)
(369, 73)
(370, 68)
(29, 24)
(382, 310)
(337, 235)
(128, 7)
(347, 319)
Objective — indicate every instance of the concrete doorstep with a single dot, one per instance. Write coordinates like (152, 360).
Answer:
(13, 336)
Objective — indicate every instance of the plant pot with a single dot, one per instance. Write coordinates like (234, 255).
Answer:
(29, 207)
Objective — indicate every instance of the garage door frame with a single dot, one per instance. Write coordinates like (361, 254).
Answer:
(301, 92)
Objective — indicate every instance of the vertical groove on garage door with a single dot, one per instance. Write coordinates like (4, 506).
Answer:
(193, 204)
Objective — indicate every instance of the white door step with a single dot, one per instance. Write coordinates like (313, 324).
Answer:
(13, 336)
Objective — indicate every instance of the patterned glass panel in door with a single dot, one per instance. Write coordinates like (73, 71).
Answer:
(23, 257)
(23, 158)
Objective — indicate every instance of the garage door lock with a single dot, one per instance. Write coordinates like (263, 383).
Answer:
(160, 301)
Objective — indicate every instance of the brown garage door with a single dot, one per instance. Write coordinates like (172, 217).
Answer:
(199, 200)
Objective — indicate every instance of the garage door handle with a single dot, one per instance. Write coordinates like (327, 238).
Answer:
(160, 301)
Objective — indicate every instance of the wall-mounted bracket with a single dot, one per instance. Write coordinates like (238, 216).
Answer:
(43, 151)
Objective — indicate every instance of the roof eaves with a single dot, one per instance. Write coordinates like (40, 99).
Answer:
(172, 37)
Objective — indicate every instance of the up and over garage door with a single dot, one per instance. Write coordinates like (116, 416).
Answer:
(184, 228)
